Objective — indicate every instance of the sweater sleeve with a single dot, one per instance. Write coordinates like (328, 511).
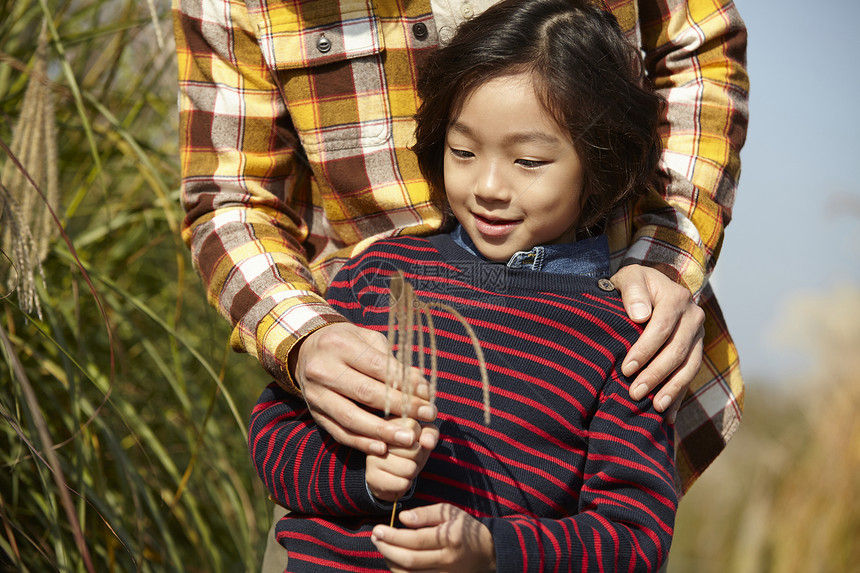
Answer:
(303, 468)
(695, 56)
(627, 503)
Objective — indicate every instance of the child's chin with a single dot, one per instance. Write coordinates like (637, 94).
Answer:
(496, 256)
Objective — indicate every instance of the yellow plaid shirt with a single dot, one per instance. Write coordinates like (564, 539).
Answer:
(295, 123)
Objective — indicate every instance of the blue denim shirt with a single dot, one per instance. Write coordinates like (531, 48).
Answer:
(587, 257)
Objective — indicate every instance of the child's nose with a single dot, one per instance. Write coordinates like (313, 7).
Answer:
(492, 185)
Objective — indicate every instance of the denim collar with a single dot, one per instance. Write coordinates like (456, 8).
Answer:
(587, 257)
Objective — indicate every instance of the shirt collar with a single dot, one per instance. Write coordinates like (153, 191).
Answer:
(587, 257)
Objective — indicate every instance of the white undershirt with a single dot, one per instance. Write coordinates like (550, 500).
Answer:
(448, 14)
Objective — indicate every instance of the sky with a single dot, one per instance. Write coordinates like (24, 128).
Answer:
(795, 229)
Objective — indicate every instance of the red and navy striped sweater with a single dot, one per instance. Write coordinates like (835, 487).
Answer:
(571, 474)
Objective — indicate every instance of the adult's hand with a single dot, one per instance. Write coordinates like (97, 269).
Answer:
(670, 348)
(341, 368)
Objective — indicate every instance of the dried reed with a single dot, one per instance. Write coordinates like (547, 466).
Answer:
(405, 322)
(405, 315)
(158, 480)
(29, 227)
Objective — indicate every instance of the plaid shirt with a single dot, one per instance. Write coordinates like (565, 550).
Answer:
(295, 122)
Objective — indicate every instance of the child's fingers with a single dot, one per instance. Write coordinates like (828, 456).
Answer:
(422, 533)
(429, 436)
(429, 515)
(388, 488)
(408, 433)
(402, 560)
(425, 435)
(397, 465)
(440, 536)
(423, 539)
(390, 476)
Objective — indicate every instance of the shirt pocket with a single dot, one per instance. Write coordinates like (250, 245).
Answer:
(328, 58)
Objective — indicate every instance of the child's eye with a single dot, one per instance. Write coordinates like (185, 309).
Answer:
(530, 163)
(461, 153)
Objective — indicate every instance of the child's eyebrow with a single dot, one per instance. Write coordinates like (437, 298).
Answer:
(531, 136)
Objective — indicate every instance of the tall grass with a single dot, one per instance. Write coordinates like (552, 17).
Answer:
(123, 444)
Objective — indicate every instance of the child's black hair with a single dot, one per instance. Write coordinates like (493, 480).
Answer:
(587, 75)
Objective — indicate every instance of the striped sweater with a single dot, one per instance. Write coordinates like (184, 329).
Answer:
(570, 475)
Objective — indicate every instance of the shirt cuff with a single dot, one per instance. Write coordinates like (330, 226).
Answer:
(388, 506)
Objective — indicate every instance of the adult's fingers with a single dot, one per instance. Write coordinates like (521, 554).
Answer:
(669, 398)
(649, 295)
(336, 368)
(636, 296)
(670, 347)
(677, 361)
(361, 442)
(672, 411)
(357, 428)
(355, 362)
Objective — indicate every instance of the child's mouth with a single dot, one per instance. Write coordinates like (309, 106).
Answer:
(493, 226)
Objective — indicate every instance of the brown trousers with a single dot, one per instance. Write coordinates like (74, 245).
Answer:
(275, 558)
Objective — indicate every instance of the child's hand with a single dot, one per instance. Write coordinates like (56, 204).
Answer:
(389, 476)
(441, 537)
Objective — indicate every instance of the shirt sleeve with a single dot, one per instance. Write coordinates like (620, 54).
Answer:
(695, 56)
(627, 504)
(240, 174)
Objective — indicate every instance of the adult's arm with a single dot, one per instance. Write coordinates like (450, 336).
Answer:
(240, 174)
(695, 56)
(243, 180)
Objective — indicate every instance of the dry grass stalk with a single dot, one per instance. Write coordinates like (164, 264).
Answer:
(16, 248)
(405, 316)
(153, 12)
(29, 226)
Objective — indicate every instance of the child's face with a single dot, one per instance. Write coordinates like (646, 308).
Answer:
(512, 176)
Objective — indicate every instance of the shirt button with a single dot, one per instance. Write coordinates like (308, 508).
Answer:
(605, 285)
(467, 11)
(419, 30)
(323, 44)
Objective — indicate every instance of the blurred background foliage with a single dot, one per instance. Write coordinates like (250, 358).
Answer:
(120, 448)
(122, 445)
(783, 496)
